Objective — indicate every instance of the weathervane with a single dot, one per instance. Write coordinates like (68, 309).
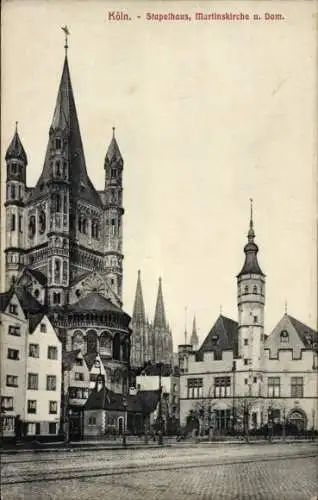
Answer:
(67, 33)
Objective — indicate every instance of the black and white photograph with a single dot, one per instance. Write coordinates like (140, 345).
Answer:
(158, 301)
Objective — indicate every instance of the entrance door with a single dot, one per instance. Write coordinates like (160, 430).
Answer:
(298, 419)
(120, 425)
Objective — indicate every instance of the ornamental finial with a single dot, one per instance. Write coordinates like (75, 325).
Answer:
(67, 33)
(251, 234)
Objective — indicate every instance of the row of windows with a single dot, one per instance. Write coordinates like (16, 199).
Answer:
(254, 289)
(14, 192)
(34, 351)
(13, 224)
(7, 405)
(32, 406)
(222, 387)
(83, 227)
(33, 381)
(16, 169)
(78, 393)
(15, 330)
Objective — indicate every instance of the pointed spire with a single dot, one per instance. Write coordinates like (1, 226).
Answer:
(251, 233)
(15, 150)
(139, 316)
(251, 265)
(113, 154)
(185, 325)
(194, 341)
(65, 126)
(67, 33)
(160, 317)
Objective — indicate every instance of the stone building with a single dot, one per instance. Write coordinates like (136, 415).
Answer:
(242, 374)
(64, 239)
(150, 341)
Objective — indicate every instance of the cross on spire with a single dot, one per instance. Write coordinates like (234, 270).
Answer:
(67, 33)
(251, 209)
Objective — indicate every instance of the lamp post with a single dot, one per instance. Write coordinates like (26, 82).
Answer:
(125, 421)
(160, 438)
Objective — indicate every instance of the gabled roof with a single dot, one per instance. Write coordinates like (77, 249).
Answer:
(5, 299)
(28, 303)
(154, 370)
(90, 359)
(69, 358)
(34, 320)
(40, 277)
(105, 399)
(222, 336)
(65, 122)
(307, 335)
(15, 150)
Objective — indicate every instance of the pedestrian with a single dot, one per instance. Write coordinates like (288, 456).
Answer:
(17, 429)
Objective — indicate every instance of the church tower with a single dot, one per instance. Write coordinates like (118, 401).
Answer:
(161, 334)
(114, 211)
(139, 328)
(251, 302)
(16, 161)
(194, 340)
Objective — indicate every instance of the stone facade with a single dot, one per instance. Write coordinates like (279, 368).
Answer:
(150, 342)
(64, 240)
(240, 374)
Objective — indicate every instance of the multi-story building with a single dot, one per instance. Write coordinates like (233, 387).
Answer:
(64, 239)
(150, 341)
(240, 374)
(30, 367)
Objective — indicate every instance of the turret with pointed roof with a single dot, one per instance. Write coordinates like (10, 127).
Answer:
(251, 302)
(194, 340)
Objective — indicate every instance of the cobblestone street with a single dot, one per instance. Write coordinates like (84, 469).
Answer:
(261, 472)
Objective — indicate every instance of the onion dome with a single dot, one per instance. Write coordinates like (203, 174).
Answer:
(251, 265)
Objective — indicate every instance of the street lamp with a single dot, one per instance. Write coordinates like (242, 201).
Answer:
(125, 421)
(160, 438)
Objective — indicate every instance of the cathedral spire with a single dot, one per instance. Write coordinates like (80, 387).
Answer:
(160, 317)
(194, 341)
(251, 265)
(139, 316)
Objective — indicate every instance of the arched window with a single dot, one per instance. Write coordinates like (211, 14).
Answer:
(92, 343)
(13, 191)
(246, 289)
(116, 347)
(284, 337)
(105, 344)
(42, 222)
(254, 289)
(32, 226)
(78, 340)
(57, 271)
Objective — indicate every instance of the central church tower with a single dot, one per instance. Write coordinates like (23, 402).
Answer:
(251, 302)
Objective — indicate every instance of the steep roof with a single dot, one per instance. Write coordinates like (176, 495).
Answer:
(5, 299)
(90, 359)
(69, 358)
(139, 316)
(307, 335)
(34, 320)
(113, 154)
(15, 150)
(28, 303)
(66, 122)
(40, 277)
(222, 336)
(160, 315)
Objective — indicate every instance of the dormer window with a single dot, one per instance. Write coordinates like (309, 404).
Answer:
(284, 337)
(308, 339)
(215, 339)
(58, 143)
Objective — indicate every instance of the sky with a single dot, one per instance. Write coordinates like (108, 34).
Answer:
(207, 116)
